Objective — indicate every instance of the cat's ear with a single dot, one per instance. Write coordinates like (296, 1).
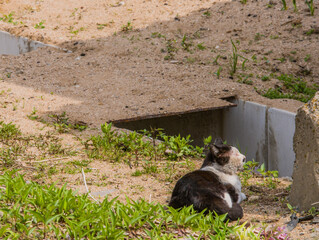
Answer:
(214, 150)
(219, 147)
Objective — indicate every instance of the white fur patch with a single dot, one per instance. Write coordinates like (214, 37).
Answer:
(228, 179)
(228, 200)
(225, 178)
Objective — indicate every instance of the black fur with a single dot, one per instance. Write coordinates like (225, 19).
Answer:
(204, 190)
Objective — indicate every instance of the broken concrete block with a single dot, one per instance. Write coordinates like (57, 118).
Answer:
(305, 187)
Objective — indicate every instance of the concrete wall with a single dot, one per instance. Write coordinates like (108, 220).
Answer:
(281, 130)
(199, 125)
(13, 45)
(244, 127)
(263, 134)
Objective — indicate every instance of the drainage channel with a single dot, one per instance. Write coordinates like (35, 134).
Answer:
(261, 133)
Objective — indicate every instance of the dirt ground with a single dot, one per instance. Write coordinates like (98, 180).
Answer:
(135, 58)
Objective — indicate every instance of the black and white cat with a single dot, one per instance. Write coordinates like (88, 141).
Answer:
(215, 186)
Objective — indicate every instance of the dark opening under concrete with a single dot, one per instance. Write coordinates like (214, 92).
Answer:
(198, 124)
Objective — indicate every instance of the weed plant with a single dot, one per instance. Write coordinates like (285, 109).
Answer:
(128, 27)
(32, 211)
(186, 44)
(294, 88)
(9, 18)
(310, 6)
(284, 5)
(14, 146)
(134, 146)
(254, 169)
(218, 72)
(295, 5)
(170, 49)
(234, 60)
(8, 131)
(62, 124)
(40, 25)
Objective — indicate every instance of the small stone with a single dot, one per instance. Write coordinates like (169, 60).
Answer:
(316, 220)
(253, 198)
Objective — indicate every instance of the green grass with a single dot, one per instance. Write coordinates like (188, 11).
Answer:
(8, 18)
(134, 146)
(293, 88)
(40, 25)
(8, 131)
(15, 146)
(284, 5)
(62, 123)
(128, 27)
(310, 6)
(32, 211)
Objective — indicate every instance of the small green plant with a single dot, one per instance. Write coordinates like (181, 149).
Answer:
(295, 5)
(310, 6)
(75, 31)
(234, 59)
(126, 28)
(185, 44)
(137, 173)
(258, 36)
(291, 208)
(244, 78)
(243, 63)
(101, 26)
(218, 72)
(62, 124)
(248, 172)
(284, 5)
(265, 78)
(191, 60)
(8, 18)
(243, 1)
(157, 35)
(8, 74)
(309, 32)
(216, 59)
(200, 46)
(170, 49)
(307, 58)
(8, 131)
(40, 25)
(207, 13)
(282, 59)
(33, 115)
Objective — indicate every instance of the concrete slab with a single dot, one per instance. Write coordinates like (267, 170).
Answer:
(263, 134)
(244, 127)
(15, 45)
(281, 130)
(12, 45)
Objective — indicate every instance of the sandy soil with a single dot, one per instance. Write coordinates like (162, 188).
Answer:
(136, 58)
